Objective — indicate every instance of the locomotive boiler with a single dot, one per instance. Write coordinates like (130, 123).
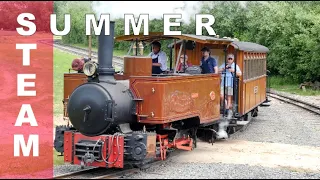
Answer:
(102, 104)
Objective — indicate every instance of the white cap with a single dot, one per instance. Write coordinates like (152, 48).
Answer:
(230, 56)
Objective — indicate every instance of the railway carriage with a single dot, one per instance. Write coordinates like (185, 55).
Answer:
(134, 116)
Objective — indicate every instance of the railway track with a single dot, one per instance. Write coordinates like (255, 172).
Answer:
(103, 173)
(307, 106)
(117, 61)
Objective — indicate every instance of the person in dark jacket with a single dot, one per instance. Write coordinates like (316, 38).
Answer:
(208, 64)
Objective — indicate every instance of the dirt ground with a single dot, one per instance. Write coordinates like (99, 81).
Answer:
(274, 155)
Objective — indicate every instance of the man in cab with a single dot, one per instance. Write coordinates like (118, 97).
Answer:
(208, 64)
(159, 59)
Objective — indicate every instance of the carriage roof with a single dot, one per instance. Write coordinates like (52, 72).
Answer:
(157, 36)
(240, 45)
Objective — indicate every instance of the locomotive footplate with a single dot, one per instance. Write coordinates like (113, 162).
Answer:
(98, 151)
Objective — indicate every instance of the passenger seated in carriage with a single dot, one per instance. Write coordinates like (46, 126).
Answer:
(181, 65)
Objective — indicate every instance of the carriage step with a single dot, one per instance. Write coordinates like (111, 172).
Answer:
(265, 104)
(242, 123)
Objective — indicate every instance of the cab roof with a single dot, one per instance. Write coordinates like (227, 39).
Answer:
(157, 36)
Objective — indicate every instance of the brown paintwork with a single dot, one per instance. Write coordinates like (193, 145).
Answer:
(137, 66)
(253, 89)
(164, 110)
(194, 56)
(71, 81)
(172, 98)
(246, 103)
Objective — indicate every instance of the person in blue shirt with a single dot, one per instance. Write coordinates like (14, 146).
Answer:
(230, 68)
(208, 64)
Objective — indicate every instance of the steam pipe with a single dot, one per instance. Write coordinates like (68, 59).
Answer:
(105, 52)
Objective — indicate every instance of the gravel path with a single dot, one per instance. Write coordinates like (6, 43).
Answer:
(66, 168)
(218, 171)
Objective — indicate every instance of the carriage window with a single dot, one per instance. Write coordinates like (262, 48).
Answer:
(245, 70)
(254, 66)
(250, 68)
(257, 67)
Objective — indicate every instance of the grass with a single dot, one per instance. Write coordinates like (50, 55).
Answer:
(57, 37)
(62, 64)
(286, 85)
(57, 160)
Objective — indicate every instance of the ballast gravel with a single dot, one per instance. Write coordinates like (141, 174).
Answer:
(218, 171)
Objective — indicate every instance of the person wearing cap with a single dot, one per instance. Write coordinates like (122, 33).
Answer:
(159, 59)
(228, 72)
(77, 64)
(208, 64)
(181, 67)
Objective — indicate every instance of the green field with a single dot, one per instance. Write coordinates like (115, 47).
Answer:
(286, 85)
(62, 64)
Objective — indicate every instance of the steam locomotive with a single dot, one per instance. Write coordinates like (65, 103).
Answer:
(136, 117)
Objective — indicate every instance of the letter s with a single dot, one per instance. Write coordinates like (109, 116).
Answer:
(32, 27)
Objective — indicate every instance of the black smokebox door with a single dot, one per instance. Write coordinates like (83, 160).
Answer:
(89, 113)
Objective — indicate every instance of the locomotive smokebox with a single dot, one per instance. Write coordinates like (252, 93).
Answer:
(105, 52)
(101, 107)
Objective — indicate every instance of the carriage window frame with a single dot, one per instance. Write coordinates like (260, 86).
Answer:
(254, 65)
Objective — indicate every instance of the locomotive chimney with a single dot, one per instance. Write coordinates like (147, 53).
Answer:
(105, 52)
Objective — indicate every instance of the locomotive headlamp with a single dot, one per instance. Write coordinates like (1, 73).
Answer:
(90, 68)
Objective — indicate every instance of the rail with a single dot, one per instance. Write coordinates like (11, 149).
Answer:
(307, 106)
(104, 173)
(117, 60)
